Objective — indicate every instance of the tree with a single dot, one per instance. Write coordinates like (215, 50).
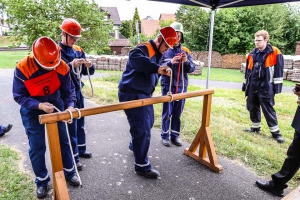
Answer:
(136, 17)
(195, 21)
(36, 18)
(126, 28)
(134, 41)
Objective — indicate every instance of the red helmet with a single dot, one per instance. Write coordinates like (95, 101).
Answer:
(71, 27)
(46, 52)
(169, 35)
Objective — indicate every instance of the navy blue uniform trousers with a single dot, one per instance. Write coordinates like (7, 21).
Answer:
(76, 130)
(141, 121)
(37, 145)
(171, 114)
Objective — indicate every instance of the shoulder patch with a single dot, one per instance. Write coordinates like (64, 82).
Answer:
(77, 48)
(186, 50)
(62, 68)
(27, 66)
(150, 49)
(276, 50)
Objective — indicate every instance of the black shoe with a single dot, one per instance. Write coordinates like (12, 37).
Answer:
(74, 181)
(41, 191)
(267, 186)
(252, 130)
(85, 155)
(279, 139)
(79, 166)
(152, 173)
(176, 141)
(7, 128)
(166, 142)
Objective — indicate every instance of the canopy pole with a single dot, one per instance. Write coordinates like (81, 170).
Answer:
(212, 20)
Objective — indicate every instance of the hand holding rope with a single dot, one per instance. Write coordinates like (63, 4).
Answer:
(78, 74)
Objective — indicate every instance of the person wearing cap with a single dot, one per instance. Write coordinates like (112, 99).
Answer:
(138, 81)
(42, 81)
(5, 129)
(180, 61)
(75, 57)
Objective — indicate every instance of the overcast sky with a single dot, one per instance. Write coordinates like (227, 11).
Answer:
(145, 8)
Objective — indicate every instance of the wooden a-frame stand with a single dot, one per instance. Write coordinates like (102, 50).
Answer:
(204, 140)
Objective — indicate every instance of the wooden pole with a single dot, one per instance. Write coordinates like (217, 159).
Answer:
(59, 116)
(60, 190)
(204, 140)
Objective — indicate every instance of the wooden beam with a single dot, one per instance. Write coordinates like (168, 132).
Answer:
(61, 190)
(64, 115)
(207, 154)
(59, 183)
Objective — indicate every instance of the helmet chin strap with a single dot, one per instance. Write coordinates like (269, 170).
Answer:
(162, 40)
(67, 35)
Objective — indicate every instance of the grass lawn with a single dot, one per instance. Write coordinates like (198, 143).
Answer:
(14, 183)
(6, 41)
(9, 59)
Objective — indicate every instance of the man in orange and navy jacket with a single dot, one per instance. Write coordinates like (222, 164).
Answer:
(42, 81)
(74, 56)
(263, 79)
(138, 82)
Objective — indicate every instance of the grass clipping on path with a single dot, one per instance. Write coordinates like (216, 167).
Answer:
(14, 183)
(229, 118)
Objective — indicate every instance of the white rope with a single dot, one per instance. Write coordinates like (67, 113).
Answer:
(79, 113)
(78, 72)
(170, 86)
(71, 115)
(70, 145)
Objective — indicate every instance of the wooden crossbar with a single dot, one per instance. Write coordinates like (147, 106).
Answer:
(203, 139)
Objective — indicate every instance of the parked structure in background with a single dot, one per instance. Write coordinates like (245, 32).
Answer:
(149, 26)
(118, 43)
(118, 40)
(112, 14)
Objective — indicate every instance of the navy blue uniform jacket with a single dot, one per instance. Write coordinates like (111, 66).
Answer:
(140, 75)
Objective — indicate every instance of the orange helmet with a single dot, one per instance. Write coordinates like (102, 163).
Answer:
(71, 27)
(169, 35)
(46, 52)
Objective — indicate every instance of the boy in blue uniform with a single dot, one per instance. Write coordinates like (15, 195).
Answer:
(138, 82)
(42, 81)
(181, 63)
(74, 56)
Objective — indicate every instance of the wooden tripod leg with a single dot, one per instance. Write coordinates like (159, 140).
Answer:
(204, 140)
(60, 190)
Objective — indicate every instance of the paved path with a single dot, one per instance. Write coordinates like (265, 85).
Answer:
(109, 175)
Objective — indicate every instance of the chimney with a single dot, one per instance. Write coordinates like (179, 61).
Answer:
(116, 34)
